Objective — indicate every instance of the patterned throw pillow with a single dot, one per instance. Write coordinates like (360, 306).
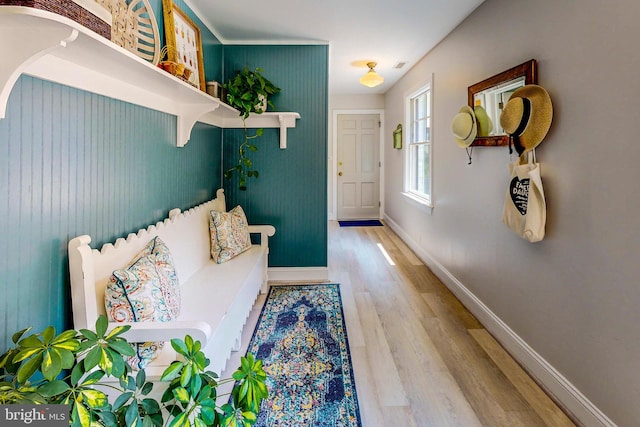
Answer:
(229, 234)
(135, 295)
(167, 272)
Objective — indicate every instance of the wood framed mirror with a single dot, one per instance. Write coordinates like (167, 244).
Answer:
(492, 94)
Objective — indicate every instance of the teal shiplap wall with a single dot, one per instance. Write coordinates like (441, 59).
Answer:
(291, 192)
(75, 163)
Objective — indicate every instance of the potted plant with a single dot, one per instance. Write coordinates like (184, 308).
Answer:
(70, 368)
(248, 92)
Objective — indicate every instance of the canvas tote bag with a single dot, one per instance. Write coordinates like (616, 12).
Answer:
(525, 210)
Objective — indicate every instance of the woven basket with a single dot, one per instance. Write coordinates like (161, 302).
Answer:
(175, 68)
(169, 66)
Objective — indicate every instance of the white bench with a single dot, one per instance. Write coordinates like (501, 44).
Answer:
(216, 298)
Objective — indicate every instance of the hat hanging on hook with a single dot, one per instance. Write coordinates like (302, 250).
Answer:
(527, 117)
(485, 125)
(464, 128)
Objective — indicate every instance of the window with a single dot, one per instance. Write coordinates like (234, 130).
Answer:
(419, 138)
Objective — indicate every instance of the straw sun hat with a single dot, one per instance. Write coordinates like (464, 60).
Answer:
(485, 125)
(527, 117)
(464, 127)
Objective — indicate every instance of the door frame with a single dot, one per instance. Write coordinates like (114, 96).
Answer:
(333, 158)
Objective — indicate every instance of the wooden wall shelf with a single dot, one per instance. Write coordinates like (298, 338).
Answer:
(230, 119)
(55, 48)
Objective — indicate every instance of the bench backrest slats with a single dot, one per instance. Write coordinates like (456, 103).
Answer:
(186, 235)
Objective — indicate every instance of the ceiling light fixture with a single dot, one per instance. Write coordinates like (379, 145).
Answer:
(371, 79)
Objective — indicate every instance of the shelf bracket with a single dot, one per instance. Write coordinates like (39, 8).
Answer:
(34, 43)
(286, 120)
(283, 132)
(187, 118)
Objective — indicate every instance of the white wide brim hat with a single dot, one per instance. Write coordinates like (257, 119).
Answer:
(464, 127)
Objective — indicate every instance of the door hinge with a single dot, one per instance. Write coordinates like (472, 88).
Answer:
(379, 124)
(379, 204)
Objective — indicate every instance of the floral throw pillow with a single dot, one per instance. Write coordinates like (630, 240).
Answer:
(229, 234)
(166, 271)
(135, 294)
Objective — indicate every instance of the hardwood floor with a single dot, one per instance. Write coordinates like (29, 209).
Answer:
(420, 358)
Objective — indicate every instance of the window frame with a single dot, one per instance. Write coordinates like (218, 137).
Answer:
(423, 199)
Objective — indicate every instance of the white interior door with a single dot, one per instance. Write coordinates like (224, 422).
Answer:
(358, 166)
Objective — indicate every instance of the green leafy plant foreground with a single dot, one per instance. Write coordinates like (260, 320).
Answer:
(70, 368)
(247, 92)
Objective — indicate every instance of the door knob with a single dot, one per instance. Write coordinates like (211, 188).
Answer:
(339, 173)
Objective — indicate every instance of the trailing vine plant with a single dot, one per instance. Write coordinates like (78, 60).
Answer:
(248, 92)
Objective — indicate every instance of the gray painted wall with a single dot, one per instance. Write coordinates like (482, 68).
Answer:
(573, 297)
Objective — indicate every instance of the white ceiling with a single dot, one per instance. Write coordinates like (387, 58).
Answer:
(357, 31)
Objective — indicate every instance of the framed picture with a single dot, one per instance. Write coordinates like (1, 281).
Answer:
(184, 42)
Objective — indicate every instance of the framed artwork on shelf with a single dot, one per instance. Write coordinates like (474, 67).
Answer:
(184, 42)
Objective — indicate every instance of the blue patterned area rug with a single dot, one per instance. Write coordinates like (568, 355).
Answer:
(302, 339)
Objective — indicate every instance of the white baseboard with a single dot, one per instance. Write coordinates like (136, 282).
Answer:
(298, 274)
(552, 380)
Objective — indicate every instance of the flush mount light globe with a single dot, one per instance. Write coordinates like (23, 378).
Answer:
(371, 79)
